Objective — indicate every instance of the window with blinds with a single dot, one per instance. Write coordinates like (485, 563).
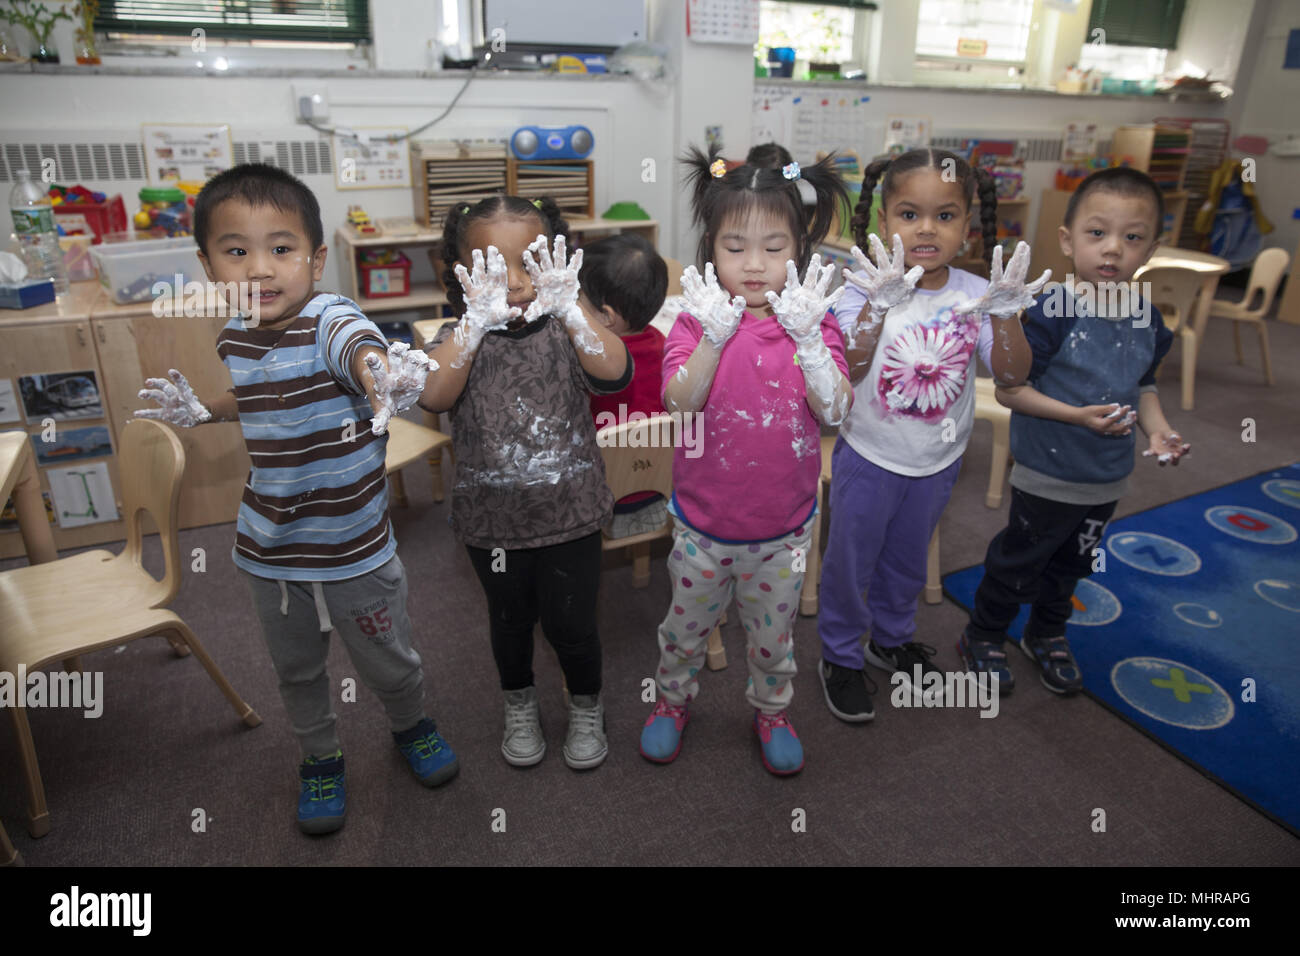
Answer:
(999, 29)
(1146, 23)
(340, 21)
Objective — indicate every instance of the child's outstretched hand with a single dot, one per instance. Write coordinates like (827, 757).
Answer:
(1112, 419)
(886, 285)
(555, 287)
(800, 308)
(708, 303)
(1167, 447)
(178, 404)
(487, 301)
(1007, 294)
(399, 384)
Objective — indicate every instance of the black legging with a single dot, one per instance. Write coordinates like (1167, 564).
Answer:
(557, 584)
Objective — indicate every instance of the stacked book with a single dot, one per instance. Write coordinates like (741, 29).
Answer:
(568, 182)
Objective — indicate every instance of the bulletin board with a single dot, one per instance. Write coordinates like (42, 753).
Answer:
(375, 163)
(183, 152)
(808, 119)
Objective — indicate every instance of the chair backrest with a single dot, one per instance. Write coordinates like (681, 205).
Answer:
(151, 461)
(1173, 288)
(674, 276)
(639, 455)
(1265, 277)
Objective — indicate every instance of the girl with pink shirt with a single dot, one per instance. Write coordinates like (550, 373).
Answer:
(759, 355)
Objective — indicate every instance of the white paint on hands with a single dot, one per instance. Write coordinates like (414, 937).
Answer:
(1007, 293)
(707, 301)
(555, 287)
(399, 384)
(487, 302)
(884, 284)
(177, 402)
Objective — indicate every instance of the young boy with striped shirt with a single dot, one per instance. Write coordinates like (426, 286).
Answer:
(313, 534)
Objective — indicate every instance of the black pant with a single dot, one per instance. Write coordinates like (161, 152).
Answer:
(556, 584)
(1038, 558)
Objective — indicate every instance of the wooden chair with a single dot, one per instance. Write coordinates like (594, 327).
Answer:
(1174, 291)
(407, 442)
(999, 416)
(8, 855)
(61, 609)
(811, 581)
(646, 466)
(423, 333)
(1265, 276)
(674, 276)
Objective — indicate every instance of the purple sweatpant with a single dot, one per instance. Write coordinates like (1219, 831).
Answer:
(881, 524)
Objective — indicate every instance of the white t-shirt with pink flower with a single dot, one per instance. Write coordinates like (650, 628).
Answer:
(913, 411)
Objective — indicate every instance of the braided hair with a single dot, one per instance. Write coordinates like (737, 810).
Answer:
(970, 178)
(752, 189)
(459, 218)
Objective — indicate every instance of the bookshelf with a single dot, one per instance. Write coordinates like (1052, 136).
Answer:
(570, 182)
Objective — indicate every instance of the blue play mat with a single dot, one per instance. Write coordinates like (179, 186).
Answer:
(1197, 611)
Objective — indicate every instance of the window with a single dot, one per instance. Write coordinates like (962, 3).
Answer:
(818, 33)
(339, 21)
(983, 30)
(1145, 23)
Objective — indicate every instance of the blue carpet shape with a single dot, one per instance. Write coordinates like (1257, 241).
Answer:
(1196, 613)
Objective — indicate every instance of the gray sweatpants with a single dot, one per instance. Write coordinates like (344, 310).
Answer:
(369, 613)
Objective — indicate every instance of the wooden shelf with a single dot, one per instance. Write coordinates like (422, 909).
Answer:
(422, 295)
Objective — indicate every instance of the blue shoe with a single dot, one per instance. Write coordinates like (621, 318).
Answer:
(429, 755)
(322, 802)
(987, 657)
(661, 738)
(1059, 670)
(782, 752)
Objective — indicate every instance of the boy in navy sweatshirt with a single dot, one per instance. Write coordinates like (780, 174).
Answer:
(1096, 347)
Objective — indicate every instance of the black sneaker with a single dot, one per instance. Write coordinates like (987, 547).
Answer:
(904, 660)
(1059, 670)
(846, 692)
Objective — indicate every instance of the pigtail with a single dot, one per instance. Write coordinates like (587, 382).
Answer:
(552, 216)
(831, 196)
(453, 228)
(699, 178)
(988, 193)
(861, 221)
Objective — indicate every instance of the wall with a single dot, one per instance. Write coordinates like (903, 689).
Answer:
(1266, 106)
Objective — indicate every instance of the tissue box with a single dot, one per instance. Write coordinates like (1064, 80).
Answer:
(25, 294)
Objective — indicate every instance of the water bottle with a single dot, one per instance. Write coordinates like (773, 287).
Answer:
(34, 226)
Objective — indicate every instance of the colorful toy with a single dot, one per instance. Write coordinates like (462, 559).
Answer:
(81, 212)
(164, 211)
(360, 222)
(384, 272)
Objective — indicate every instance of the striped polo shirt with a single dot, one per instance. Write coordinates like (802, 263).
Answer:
(315, 507)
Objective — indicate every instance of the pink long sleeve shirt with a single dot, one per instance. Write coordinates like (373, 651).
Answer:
(750, 470)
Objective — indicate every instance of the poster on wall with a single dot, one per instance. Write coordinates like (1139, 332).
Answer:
(185, 153)
(9, 411)
(61, 395)
(72, 444)
(82, 495)
(372, 158)
(906, 132)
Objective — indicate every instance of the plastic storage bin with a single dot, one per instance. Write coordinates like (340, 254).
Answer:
(100, 218)
(384, 272)
(128, 270)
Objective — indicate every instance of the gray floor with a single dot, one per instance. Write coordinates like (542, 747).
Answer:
(933, 787)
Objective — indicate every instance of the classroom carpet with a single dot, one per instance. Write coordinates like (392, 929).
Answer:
(1189, 629)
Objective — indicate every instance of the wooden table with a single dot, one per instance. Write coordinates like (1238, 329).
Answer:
(18, 477)
(1209, 268)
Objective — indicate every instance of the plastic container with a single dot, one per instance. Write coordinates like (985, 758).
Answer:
(33, 218)
(164, 211)
(384, 273)
(76, 257)
(129, 269)
(780, 61)
(91, 218)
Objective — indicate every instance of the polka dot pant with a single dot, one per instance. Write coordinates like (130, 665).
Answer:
(765, 580)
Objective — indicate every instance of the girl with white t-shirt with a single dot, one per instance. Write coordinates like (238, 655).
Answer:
(911, 341)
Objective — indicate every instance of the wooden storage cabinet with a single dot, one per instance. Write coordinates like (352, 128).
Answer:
(59, 346)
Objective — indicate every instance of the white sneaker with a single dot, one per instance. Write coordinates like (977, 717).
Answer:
(523, 745)
(585, 745)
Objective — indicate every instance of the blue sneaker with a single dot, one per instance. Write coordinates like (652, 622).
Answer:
(782, 752)
(987, 657)
(661, 738)
(1059, 670)
(322, 802)
(429, 755)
